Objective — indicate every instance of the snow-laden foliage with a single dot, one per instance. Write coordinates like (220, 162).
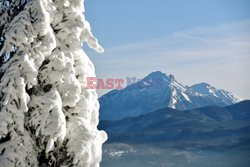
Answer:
(48, 117)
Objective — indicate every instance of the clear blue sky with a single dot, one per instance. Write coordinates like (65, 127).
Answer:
(196, 40)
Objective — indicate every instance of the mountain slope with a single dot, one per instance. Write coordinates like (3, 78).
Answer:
(159, 90)
(208, 123)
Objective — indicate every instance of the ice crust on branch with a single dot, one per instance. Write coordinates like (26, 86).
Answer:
(48, 116)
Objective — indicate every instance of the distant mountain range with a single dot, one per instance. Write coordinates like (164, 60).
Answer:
(215, 125)
(157, 91)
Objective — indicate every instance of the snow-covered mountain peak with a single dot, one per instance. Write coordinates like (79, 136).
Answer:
(157, 76)
(160, 80)
(155, 80)
(159, 90)
(203, 88)
(208, 90)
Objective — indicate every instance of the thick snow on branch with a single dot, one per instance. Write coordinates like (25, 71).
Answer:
(48, 116)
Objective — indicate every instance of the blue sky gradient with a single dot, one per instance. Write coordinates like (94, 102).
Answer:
(196, 40)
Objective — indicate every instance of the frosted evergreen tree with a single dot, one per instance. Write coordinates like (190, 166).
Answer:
(47, 116)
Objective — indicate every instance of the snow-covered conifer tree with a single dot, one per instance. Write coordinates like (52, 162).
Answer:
(47, 115)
